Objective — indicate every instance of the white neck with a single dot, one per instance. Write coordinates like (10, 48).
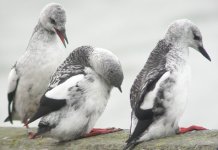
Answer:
(41, 37)
(177, 56)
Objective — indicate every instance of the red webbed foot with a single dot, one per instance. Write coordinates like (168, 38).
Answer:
(32, 135)
(191, 128)
(99, 131)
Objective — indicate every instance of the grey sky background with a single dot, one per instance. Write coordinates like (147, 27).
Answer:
(130, 29)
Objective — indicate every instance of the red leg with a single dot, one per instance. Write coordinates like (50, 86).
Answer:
(32, 135)
(191, 128)
(25, 122)
(99, 131)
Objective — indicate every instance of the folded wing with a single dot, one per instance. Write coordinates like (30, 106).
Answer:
(13, 80)
(57, 94)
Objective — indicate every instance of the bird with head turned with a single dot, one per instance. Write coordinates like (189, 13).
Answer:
(53, 19)
(78, 94)
(29, 77)
(105, 63)
(185, 33)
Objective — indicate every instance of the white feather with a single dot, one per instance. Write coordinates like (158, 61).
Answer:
(78, 121)
(177, 99)
(12, 80)
(61, 91)
(150, 97)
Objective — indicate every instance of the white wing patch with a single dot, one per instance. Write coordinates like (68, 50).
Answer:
(12, 80)
(61, 91)
(149, 98)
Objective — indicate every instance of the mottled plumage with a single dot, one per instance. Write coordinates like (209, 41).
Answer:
(82, 84)
(65, 70)
(30, 75)
(154, 65)
(158, 95)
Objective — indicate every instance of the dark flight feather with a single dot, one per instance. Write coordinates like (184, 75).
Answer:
(11, 104)
(47, 105)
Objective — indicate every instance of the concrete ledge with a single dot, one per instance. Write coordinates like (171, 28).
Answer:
(16, 138)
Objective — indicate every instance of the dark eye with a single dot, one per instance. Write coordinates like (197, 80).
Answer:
(52, 21)
(196, 37)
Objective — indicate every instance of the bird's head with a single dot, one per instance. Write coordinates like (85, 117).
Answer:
(107, 65)
(53, 19)
(187, 33)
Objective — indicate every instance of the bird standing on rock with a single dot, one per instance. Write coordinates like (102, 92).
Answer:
(78, 94)
(159, 93)
(29, 77)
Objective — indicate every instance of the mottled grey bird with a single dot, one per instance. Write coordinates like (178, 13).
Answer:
(159, 93)
(29, 77)
(78, 93)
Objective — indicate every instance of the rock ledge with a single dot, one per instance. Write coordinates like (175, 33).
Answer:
(16, 138)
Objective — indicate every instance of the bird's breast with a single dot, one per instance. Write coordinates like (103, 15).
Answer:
(176, 91)
(90, 95)
(85, 107)
(97, 93)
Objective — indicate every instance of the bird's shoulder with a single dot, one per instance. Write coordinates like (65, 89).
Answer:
(64, 72)
(154, 67)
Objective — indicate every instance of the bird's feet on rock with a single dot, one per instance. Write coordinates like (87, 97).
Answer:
(32, 135)
(25, 122)
(183, 130)
(99, 131)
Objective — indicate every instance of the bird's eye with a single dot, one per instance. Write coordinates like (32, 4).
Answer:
(52, 21)
(196, 37)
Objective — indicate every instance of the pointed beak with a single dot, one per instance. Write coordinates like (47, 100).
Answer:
(120, 89)
(62, 35)
(203, 52)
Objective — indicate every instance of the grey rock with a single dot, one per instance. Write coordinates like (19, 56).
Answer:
(16, 138)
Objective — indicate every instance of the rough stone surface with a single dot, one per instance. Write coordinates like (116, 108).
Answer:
(16, 138)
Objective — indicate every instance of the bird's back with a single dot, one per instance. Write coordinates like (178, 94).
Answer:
(155, 64)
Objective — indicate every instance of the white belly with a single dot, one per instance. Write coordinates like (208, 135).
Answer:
(177, 95)
(80, 121)
(35, 72)
(175, 103)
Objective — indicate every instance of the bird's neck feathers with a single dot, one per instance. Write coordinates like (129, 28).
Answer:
(178, 54)
(40, 34)
(177, 57)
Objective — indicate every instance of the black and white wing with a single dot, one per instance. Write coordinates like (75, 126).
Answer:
(154, 67)
(146, 116)
(145, 83)
(13, 80)
(66, 76)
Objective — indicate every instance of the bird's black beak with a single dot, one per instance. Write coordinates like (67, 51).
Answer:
(120, 89)
(62, 35)
(203, 52)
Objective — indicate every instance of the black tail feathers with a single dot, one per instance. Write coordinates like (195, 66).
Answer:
(130, 145)
(9, 118)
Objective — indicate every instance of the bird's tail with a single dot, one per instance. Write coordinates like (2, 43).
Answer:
(9, 118)
(10, 111)
(130, 145)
